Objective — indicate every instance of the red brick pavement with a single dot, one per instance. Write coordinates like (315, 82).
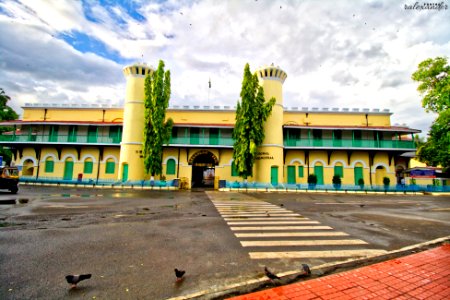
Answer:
(424, 275)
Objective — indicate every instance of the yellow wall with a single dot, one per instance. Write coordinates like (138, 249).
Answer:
(335, 119)
(201, 117)
(70, 153)
(73, 114)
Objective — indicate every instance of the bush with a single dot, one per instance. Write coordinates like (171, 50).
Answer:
(337, 179)
(312, 179)
(386, 181)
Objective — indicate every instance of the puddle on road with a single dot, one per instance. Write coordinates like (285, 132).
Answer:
(64, 195)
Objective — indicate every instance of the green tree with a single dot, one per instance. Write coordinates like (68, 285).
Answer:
(6, 114)
(251, 114)
(436, 150)
(156, 129)
(434, 78)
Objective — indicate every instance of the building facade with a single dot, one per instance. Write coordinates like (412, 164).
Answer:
(101, 143)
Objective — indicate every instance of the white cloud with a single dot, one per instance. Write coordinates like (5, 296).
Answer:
(336, 54)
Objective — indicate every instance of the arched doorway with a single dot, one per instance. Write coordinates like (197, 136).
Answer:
(203, 169)
(28, 168)
(400, 174)
(68, 169)
(380, 173)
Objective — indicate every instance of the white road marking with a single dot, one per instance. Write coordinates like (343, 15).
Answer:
(259, 215)
(273, 222)
(302, 243)
(264, 218)
(291, 234)
(316, 254)
(270, 222)
(263, 228)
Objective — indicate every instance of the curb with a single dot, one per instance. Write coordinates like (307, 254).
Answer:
(288, 277)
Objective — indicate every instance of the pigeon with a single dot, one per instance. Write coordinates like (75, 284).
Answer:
(74, 279)
(306, 271)
(270, 274)
(179, 274)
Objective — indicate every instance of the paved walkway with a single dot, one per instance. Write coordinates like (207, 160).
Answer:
(425, 275)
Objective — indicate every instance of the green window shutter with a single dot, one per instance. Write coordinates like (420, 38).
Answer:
(88, 167)
(234, 171)
(110, 167)
(339, 171)
(53, 136)
(300, 171)
(358, 174)
(170, 167)
(291, 174)
(72, 137)
(318, 171)
(49, 166)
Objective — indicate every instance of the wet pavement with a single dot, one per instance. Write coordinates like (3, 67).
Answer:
(131, 240)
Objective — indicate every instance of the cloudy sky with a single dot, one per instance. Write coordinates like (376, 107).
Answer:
(356, 54)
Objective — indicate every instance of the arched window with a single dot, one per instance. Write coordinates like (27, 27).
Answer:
(88, 166)
(49, 165)
(170, 168)
(68, 169)
(318, 171)
(339, 170)
(110, 166)
(358, 173)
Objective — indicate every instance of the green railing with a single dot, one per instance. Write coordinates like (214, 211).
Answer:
(80, 139)
(333, 143)
(214, 141)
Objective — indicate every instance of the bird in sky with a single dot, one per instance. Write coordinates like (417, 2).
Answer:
(179, 274)
(75, 279)
(271, 275)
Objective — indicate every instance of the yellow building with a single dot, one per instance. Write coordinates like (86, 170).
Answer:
(101, 143)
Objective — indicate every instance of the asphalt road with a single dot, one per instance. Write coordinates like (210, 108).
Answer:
(132, 240)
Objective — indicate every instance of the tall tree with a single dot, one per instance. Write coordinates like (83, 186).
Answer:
(6, 114)
(434, 78)
(156, 129)
(251, 114)
(436, 150)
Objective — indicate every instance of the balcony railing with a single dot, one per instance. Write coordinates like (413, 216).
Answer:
(78, 139)
(334, 143)
(223, 141)
(211, 141)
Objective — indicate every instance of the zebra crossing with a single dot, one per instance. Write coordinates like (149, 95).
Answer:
(269, 231)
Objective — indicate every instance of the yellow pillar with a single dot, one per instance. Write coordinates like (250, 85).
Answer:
(133, 123)
(269, 160)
